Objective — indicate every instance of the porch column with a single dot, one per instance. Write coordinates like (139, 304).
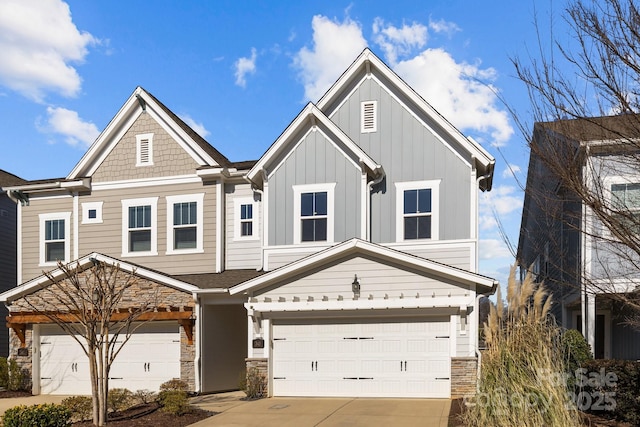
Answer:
(589, 320)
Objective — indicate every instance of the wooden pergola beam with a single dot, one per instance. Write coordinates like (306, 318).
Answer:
(37, 318)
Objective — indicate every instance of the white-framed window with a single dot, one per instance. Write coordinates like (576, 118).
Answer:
(245, 221)
(54, 238)
(144, 149)
(625, 200)
(139, 227)
(368, 116)
(417, 210)
(313, 213)
(92, 213)
(185, 223)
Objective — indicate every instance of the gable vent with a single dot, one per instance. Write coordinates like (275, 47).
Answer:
(368, 116)
(144, 149)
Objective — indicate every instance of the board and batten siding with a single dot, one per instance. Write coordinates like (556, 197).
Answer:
(30, 242)
(106, 237)
(242, 253)
(8, 261)
(377, 279)
(315, 160)
(169, 158)
(408, 150)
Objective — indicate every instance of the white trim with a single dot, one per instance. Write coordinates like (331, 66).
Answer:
(265, 223)
(220, 221)
(76, 220)
(368, 124)
(401, 187)
(146, 182)
(88, 206)
(42, 218)
(148, 138)
(298, 190)
(453, 335)
(19, 242)
(185, 198)
(255, 221)
(126, 204)
(364, 206)
(607, 329)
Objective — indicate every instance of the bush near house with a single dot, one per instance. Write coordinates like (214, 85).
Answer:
(610, 389)
(80, 407)
(575, 352)
(173, 397)
(11, 375)
(45, 415)
(253, 383)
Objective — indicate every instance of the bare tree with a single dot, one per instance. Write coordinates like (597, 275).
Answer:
(89, 305)
(586, 87)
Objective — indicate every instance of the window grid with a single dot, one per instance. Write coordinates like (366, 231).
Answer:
(313, 212)
(246, 220)
(417, 214)
(185, 220)
(54, 240)
(140, 228)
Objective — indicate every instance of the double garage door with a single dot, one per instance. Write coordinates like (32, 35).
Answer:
(149, 358)
(369, 358)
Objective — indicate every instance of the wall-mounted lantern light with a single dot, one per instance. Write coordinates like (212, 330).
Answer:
(355, 287)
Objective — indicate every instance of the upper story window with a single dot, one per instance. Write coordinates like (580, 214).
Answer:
(139, 227)
(54, 238)
(92, 213)
(368, 116)
(314, 216)
(245, 219)
(144, 149)
(625, 199)
(417, 210)
(184, 223)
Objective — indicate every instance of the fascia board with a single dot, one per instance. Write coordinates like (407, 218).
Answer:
(356, 245)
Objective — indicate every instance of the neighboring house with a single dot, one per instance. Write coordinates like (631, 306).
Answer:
(343, 262)
(8, 251)
(562, 241)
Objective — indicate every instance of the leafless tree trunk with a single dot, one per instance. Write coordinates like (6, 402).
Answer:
(88, 305)
(573, 81)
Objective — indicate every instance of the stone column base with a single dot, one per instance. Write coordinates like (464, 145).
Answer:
(464, 375)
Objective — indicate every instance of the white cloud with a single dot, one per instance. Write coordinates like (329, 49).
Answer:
(397, 42)
(510, 171)
(38, 42)
(493, 248)
(245, 66)
(502, 200)
(443, 26)
(68, 124)
(196, 126)
(335, 46)
(455, 90)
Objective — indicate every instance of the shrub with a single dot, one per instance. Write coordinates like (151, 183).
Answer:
(4, 372)
(255, 385)
(174, 384)
(521, 370)
(575, 352)
(144, 396)
(174, 402)
(45, 415)
(81, 407)
(119, 399)
(610, 388)
(16, 376)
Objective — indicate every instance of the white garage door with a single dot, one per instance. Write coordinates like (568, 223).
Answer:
(365, 359)
(149, 358)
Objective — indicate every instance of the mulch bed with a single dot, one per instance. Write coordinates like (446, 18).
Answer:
(6, 394)
(149, 415)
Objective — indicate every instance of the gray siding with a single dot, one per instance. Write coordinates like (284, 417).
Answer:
(243, 253)
(408, 151)
(314, 160)
(8, 261)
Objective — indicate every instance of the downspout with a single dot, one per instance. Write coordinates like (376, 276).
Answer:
(263, 202)
(197, 362)
(370, 185)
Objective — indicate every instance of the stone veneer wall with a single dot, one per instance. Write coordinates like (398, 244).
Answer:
(464, 372)
(261, 364)
(44, 300)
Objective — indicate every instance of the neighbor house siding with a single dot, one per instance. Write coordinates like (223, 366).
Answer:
(31, 231)
(242, 253)
(169, 158)
(315, 160)
(8, 261)
(107, 237)
(408, 151)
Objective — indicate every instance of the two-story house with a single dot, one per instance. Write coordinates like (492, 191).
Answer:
(8, 252)
(343, 262)
(566, 244)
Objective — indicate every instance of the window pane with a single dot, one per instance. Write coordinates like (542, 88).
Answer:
(632, 199)
(320, 230)
(184, 213)
(246, 228)
(424, 200)
(92, 214)
(246, 211)
(314, 230)
(54, 229)
(424, 227)
(411, 228)
(140, 241)
(139, 216)
(184, 238)
(306, 204)
(410, 201)
(54, 251)
(321, 203)
(307, 230)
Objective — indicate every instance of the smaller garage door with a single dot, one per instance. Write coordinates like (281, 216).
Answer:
(365, 359)
(149, 358)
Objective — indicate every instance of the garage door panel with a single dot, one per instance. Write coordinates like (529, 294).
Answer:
(371, 358)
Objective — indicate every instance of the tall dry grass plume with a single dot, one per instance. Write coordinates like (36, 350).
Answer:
(521, 371)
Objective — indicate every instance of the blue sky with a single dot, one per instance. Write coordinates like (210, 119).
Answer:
(240, 71)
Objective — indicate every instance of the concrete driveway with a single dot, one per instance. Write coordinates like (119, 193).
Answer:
(323, 412)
